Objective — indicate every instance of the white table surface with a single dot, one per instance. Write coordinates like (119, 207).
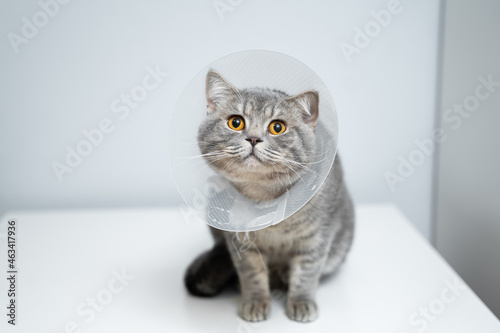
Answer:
(67, 257)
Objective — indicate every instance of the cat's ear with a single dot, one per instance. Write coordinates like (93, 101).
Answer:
(217, 89)
(308, 103)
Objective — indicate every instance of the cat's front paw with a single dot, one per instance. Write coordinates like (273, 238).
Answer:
(301, 310)
(255, 309)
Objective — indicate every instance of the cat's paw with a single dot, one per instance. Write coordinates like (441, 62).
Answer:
(302, 310)
(255, 309)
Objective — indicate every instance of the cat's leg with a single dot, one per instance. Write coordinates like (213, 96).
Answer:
(338, 252)
(343, 237)
(252, 271)
(305, 272)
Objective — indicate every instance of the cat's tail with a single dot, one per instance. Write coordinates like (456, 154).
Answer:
(211, 272)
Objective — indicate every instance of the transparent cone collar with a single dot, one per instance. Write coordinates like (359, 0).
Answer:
(212, 197)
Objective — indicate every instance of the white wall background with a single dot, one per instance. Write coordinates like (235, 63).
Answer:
(65, 79)
(468, 211)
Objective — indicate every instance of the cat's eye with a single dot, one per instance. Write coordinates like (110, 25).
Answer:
(236, 123)
(277, 127)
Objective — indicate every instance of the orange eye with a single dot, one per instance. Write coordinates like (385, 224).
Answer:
(236, 123)
(277, 127)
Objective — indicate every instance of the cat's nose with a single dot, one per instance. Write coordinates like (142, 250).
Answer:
(253, 140)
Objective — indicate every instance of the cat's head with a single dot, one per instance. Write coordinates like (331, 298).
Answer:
(261, 140)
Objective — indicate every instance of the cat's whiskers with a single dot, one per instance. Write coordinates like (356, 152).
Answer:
(289, 164)
(293, 170)
(228, 164)
(280, 172)
(196, 142)
(324, 155)
(202, 155)
(230, 152)
(202, 162)
(199, 159)
(218, 158)
(302, 165)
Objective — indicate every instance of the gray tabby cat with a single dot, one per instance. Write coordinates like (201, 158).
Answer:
(262, 140)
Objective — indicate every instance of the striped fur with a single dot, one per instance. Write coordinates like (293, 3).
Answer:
(297, 252)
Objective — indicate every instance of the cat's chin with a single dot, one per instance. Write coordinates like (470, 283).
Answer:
(256, 178)
(252, 160)
(261, 182)
(254, 172)
(259, 191)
